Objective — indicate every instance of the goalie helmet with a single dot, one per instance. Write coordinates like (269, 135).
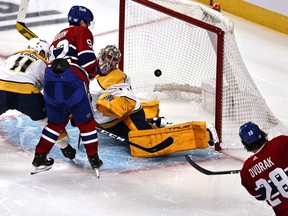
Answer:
(250, 133)
(39, 46)
(217, 7)
(78, 13)
(108, 57)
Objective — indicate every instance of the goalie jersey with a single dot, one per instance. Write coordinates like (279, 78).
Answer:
(116, 83)
(23, 73)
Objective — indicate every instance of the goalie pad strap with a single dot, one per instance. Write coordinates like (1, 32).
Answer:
(186, 136)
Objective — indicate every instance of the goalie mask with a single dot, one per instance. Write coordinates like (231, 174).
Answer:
(39, 46)
(108, 57)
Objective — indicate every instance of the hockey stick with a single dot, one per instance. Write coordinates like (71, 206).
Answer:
(162, 145)
(208, 172)
(20, 24)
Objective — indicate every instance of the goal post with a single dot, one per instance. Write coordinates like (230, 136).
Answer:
(195, 48)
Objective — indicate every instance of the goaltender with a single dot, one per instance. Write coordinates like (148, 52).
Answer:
(119, 111)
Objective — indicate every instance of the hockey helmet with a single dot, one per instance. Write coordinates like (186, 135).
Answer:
(39, 46)
(217, 7)
(250, 133)
(78, 13)
(112, 53)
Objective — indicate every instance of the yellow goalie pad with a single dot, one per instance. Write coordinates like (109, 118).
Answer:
(186, 136)
(62, 135)
(151, 108)
(115, 106)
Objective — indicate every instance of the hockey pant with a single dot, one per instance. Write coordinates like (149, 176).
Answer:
(186, 136)
(135, 121)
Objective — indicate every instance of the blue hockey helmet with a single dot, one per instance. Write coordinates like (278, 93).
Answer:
(78, 13)
(250, 133)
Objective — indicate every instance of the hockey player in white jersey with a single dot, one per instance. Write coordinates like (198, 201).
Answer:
(21, 82)
(120, 112)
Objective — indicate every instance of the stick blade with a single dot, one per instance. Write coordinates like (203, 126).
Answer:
(39, 169)
(208, 172)
(23, 30)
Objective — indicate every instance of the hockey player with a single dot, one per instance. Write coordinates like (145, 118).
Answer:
(119, 111)
(73, 63)
(21, 83)
(265, 174)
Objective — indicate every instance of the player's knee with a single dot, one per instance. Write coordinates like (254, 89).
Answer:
(87, 126)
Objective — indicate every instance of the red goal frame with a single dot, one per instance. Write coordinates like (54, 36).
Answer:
(220, 51)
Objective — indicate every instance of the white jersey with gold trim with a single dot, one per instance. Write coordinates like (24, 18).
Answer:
(22, 68)
(116, 83)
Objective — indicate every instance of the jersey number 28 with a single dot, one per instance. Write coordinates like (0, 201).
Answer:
(279, 178)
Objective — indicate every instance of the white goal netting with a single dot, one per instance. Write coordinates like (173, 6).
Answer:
(157, 35)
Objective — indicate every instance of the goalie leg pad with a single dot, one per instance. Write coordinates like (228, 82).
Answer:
(63, 140)
(202, 136)
(183, 135)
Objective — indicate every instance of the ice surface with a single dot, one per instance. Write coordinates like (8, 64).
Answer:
(132, 186)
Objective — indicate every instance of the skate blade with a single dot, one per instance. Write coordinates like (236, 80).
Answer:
(97, 172)
(39, 169)
(75, 161)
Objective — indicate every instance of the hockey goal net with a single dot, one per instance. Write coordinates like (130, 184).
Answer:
(195, 49)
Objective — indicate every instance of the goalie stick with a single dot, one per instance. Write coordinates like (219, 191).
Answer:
(20, 24)
(209, 172)
(160, 146)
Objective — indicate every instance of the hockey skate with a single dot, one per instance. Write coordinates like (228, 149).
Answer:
(159, 122)
(95, 163)
(41, 163)
(213, 135)
(69, 152)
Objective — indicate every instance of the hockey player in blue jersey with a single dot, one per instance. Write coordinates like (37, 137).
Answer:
(66, 89)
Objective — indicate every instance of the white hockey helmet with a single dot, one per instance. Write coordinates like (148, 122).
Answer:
(39, 46)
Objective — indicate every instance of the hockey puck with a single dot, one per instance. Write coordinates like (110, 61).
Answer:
(157, 73)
